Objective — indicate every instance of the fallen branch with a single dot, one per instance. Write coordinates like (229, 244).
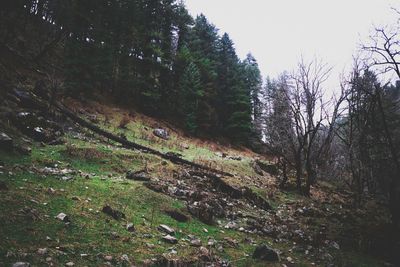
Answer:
(131, 145)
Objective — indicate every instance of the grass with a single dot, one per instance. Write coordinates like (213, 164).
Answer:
(28, 208)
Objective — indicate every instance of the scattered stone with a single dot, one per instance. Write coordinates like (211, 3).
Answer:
(289, 259)
(211, 242)
(265, 253)
(42, 251)
(170, 239)
(51, 190)
(140, 175)
(166, 229)
(49, 259)
(108, 258)
(231, 242)
(63, 217)
(180, 217)
(70, 264)
(125, 258)
(116, 214)
(238, 158)
(204, 253)
(231, 225)
(162, 133)
(21, 264)
(195, 242)
(130, 227)
(335, 245)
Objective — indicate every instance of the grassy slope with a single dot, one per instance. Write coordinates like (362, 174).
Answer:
(28, 208)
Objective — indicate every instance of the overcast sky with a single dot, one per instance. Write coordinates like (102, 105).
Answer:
(278, 32)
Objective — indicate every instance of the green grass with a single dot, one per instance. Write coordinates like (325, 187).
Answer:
(89, 231)
(27, 209)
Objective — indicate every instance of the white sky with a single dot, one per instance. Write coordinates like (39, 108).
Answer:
(278, 32)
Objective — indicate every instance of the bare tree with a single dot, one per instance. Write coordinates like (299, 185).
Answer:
(306, 139)
(382, 51)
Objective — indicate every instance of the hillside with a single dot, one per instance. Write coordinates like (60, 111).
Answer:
(127, 207)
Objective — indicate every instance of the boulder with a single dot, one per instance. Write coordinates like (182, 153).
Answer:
(116, 214)
(170, 239)
(166, 229)
(63, 217)
(265, 253)
(130, 227)
(161, 133)
(202, 211)
(21, 264)
(140, 175)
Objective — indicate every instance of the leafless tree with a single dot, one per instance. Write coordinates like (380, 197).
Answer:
(382, 50)
(306, 139)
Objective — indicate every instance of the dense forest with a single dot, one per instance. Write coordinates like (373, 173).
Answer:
(153, 56)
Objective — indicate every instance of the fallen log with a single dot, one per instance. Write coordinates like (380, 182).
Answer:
(28, 99)
(131, 145)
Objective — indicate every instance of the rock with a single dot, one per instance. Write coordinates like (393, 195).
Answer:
(162, 133)
(125, 258)
(195, 242)
(170, 239)
(156, 187)
(185, 146)
(176, 215)
(70, 264)
(231, 225)
(231, 242)
(6, 143)
(166, 229)
(130, 227)
(3, 186)
(21, 264)
(42, 251)
(202, 211)
(204, 253)
(116, 214)
(141, 175)
(265, 253)
(108, 258)
(238, 158)
(63, 217)
(335, 245)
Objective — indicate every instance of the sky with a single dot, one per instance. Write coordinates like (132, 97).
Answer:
(279, 32)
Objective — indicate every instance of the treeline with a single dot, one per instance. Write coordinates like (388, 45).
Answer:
(148, 53)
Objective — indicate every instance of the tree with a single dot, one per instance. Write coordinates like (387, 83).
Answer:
(253, 82)
(312, 116)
